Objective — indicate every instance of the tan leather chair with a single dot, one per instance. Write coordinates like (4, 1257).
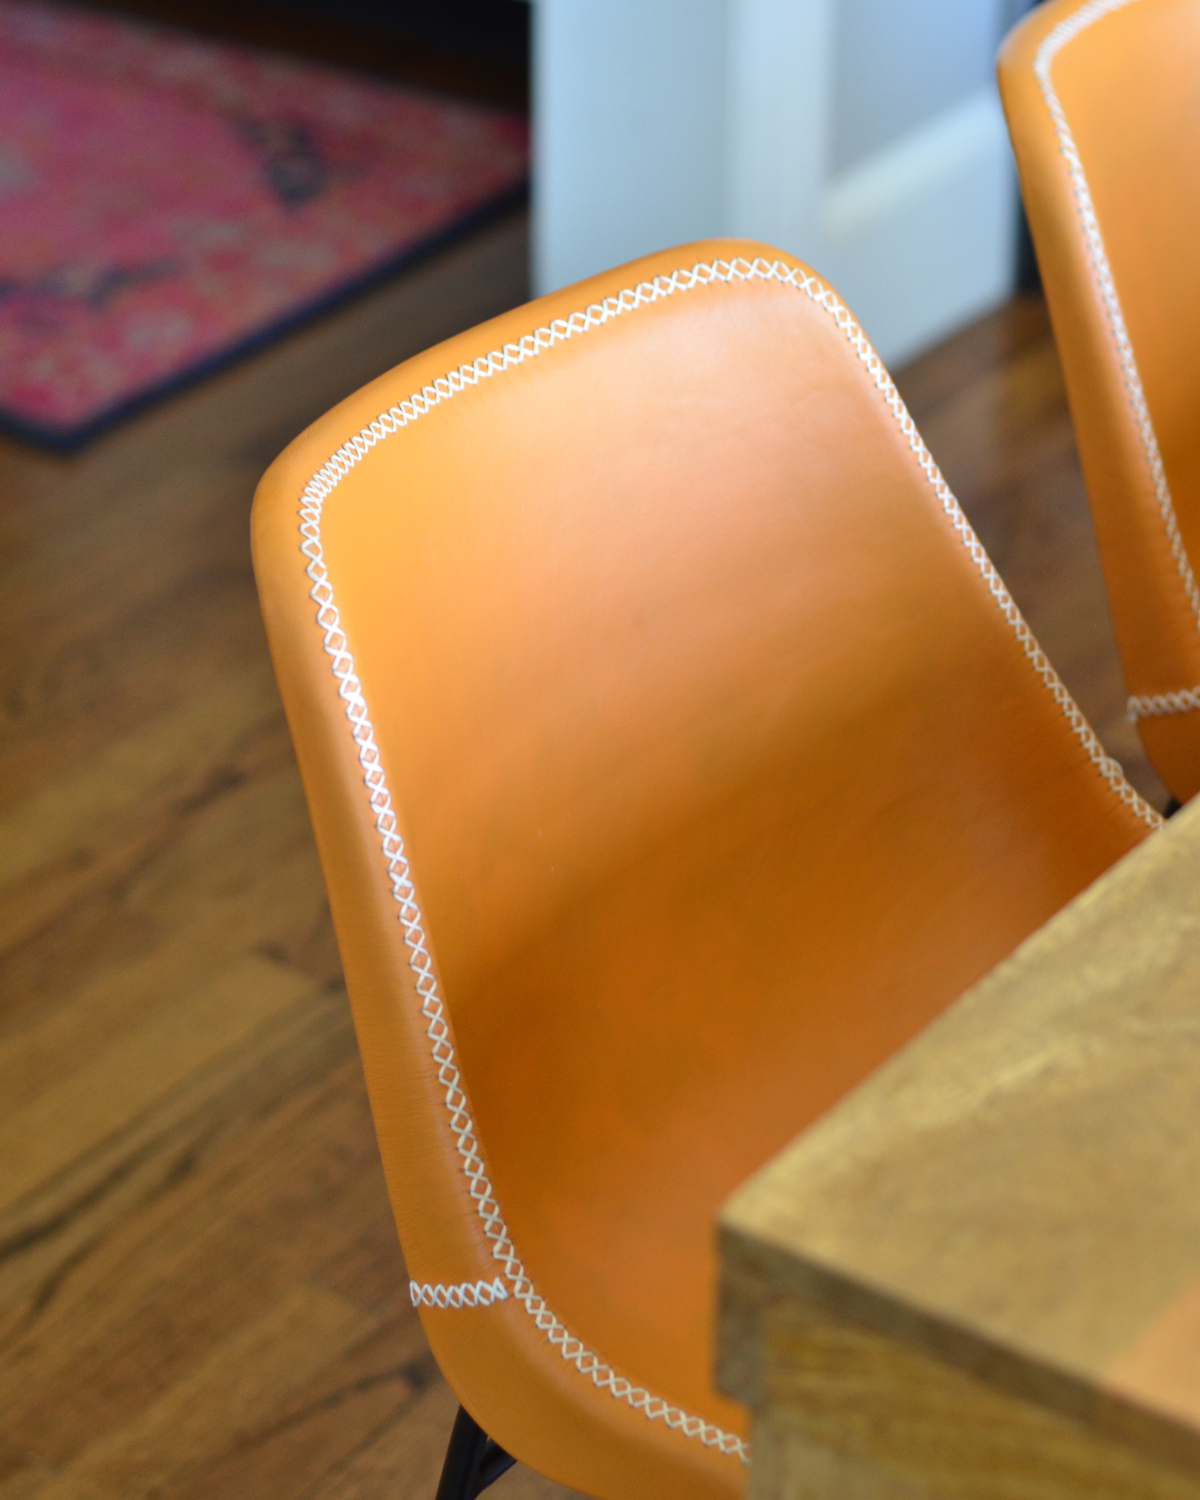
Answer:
(674, 754)
(1101, 99)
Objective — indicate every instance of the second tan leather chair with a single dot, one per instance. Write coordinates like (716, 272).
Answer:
(674, 754)
(1101, 98)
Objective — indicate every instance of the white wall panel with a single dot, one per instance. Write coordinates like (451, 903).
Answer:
(660, 121)
(630, 116)
(899, 63)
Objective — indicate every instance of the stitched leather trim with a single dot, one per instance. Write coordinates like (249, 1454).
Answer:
(458, 1294)
(316, 491)
(1066, 31)
(1157, 705)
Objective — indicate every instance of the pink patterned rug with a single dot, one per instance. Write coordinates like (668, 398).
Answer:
(167, 203)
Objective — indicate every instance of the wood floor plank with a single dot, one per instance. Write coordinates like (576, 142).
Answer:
(402, 1462)
(521, 1483)
(249, 814)
(101, 830)
(316, 1428)
(280, 1202)
(214, 1406)
(219, 922)
(225, 867)
(70, 813)
(98, 640)
(53, 1232)
(184, 1033)
(20, 1474)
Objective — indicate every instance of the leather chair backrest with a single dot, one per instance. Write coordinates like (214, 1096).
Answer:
(1103, 104)
(674, 754)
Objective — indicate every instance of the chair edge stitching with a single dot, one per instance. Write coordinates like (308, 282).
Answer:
(457, 1294)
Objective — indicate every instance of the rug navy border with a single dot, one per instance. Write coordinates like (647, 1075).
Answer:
(70, 439)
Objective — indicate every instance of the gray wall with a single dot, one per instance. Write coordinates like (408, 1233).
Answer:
(864, 136)
(898, 63)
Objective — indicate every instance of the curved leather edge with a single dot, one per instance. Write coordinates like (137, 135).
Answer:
(1155, 626)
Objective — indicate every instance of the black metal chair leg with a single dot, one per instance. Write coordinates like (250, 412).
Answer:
(473, 1460)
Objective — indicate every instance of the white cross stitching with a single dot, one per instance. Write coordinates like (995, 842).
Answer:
(1052, 45)
(459, 1294)
(1156, 705)
(315, 492)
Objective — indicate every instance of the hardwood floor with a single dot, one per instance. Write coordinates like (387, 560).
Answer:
(200, 1288)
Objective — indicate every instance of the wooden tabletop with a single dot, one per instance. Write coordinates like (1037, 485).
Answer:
(979, 1275)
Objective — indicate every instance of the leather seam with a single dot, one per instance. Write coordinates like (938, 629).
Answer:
(1052, 44)
(1159, 705)
(458, 1294)
(335, 644)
